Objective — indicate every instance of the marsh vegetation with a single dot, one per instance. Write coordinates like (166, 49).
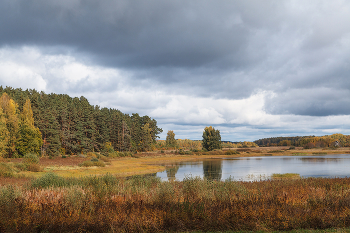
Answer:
(145, 204)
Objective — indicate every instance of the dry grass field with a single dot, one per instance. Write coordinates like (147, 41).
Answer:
(63, 196)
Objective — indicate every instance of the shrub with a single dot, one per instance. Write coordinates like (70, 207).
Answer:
(231, 152)
(91, 154)
(292, 148)
(30, 158)
(87, 164)
(104, 159)
(6, 170)
(111, 155)
(94, 159)
(49, 180)
(34, 167)
(20, 166)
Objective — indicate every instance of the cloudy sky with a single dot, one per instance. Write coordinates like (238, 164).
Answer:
(250, 68)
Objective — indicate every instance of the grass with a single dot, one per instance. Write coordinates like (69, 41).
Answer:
(319, 153)
(285, 176)
(338, 230)
(68, 197)
(145, 204)
(300, 153)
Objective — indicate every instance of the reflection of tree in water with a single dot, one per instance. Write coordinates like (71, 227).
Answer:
(320, 160)
(212, 169)
(171, 172)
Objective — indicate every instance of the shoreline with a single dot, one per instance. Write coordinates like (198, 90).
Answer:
(152, 162)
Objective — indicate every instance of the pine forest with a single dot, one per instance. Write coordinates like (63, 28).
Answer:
(57, 124)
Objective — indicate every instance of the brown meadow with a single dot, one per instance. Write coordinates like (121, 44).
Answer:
(145, 204)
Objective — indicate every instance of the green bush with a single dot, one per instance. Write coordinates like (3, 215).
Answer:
(30, 158)
(21, 166)
(6, 170)
(49, 180)
(94, 160)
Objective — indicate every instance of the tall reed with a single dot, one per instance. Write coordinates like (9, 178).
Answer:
(139, 204)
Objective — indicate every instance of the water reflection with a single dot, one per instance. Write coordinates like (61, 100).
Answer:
(320, 160)
(171, 172)
(212, 169)
(259, 168)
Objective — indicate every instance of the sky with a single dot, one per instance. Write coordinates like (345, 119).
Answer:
(250, 68)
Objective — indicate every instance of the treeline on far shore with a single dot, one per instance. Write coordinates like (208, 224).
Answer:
(308, 142)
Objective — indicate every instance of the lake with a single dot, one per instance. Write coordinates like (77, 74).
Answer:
(259, 168)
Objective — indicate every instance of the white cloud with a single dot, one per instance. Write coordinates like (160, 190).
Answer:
(253, 69)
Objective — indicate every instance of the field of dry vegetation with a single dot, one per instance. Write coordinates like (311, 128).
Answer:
(145, 204)
(63, 196)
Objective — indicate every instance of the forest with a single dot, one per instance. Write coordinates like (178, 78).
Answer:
(69, 125)
(307, 142)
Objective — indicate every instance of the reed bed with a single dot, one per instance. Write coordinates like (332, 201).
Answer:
(145, 204)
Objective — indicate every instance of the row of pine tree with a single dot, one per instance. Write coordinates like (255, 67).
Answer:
(71, 125)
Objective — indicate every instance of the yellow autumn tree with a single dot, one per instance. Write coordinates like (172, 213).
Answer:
(29, 140)
(4, 134)
(12, 123)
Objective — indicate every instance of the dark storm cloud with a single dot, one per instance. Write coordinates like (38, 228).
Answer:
(297, 50)
(139, 33)
(311, 102)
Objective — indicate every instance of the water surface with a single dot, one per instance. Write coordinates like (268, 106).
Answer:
(259, 168)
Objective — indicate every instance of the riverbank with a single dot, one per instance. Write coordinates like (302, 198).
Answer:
(148, 162)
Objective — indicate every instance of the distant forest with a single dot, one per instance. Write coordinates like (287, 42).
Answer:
(72, 125)
(307, 141)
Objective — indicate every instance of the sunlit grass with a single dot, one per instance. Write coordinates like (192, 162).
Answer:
(285, 176)
(122, 167)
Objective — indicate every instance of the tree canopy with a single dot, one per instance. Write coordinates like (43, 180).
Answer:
(170, 139)
(69, 125)
(211, 139)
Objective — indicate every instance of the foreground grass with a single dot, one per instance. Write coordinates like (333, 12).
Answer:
(139, 204)
(338, 230)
